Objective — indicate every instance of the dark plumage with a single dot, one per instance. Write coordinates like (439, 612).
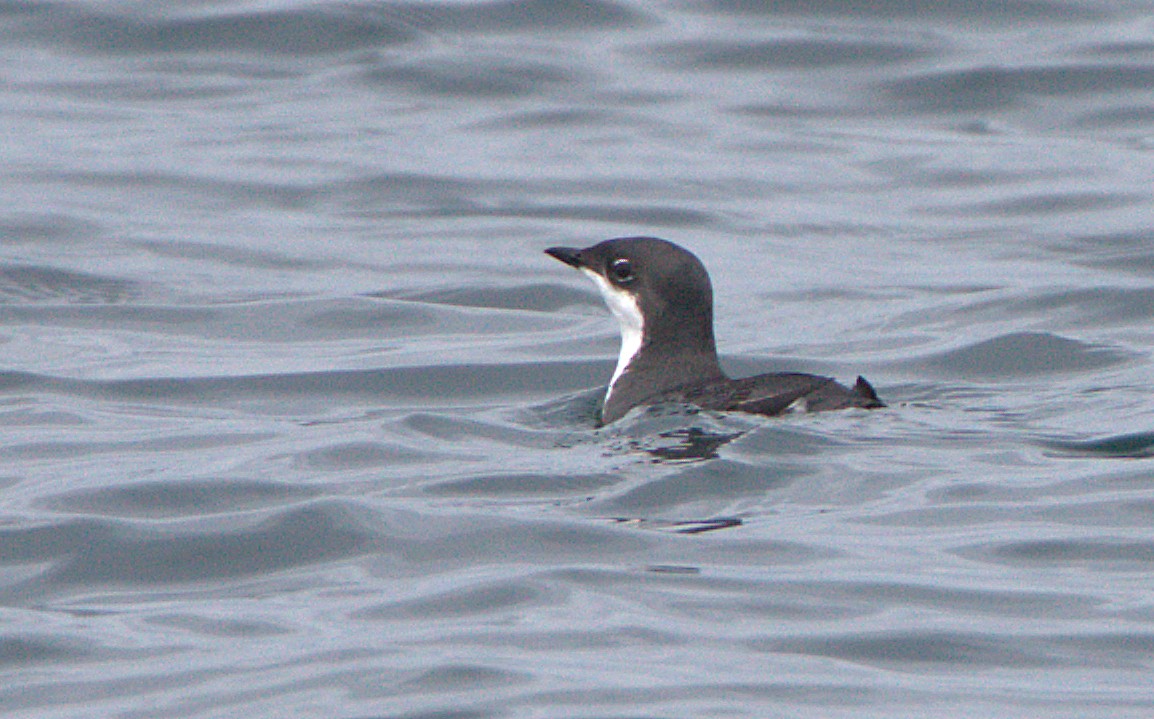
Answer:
(663, 299)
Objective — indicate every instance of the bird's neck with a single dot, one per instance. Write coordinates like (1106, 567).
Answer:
(658, 359)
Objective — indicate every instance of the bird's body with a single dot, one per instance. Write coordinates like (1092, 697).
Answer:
(663, 300)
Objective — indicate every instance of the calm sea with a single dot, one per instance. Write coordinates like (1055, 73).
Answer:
(296, 416)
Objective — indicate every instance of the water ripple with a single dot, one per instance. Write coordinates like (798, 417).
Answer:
(995, 88)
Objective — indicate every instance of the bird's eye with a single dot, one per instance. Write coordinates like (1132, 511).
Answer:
(621, 270)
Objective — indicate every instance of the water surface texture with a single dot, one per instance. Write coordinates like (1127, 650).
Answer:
(296, 416)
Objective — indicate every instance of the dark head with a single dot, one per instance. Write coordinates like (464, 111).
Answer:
(663, 299)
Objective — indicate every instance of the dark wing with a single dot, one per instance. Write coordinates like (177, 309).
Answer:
(777, 393)
(772, 394)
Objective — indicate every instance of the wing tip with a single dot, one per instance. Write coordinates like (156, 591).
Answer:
(866, 391)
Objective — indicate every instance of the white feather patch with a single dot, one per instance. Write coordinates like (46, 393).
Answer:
(624, 307)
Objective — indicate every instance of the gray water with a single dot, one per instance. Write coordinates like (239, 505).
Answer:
(296, 417)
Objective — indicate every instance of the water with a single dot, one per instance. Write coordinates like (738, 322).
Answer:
(296, 416)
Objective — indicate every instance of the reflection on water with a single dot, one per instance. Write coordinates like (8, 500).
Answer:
(690, 445)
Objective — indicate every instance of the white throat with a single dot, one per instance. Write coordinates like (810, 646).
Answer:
(624, 308)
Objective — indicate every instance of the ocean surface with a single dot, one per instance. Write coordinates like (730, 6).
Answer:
(296, 418)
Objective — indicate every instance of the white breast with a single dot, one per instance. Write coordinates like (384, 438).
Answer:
(624, 307)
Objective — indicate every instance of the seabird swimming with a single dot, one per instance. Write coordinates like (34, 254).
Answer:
(662, 297)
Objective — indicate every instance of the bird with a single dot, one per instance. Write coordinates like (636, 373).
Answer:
(662, 298)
